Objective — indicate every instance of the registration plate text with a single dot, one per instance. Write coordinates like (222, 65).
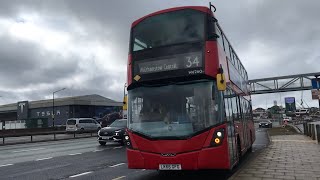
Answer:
(169, 166)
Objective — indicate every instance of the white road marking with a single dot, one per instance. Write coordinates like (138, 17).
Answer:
(77, 175)
(117, 147)
(26, 150)
(4, 165)
(119, 177)
(117, 165)
(43, 159)
(98, 150)
(74, 154)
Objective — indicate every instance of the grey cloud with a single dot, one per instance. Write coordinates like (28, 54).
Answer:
(24, 63)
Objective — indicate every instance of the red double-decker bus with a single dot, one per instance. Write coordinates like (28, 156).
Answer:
(189, 106)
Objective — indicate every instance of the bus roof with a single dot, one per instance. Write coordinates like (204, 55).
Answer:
(199, 8)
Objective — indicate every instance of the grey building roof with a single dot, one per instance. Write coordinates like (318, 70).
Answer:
(93, 100)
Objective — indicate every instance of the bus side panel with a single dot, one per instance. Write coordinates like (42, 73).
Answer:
(223, 61)
(135, 159)
(211, 59)
(214, 158)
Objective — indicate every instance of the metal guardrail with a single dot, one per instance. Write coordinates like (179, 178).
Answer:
(312, 130)
(54, 134)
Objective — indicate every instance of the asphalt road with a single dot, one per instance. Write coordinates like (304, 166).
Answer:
(85, 159)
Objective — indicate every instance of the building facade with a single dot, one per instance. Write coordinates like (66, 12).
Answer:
(87, 106)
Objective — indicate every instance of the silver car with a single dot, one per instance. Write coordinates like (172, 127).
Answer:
(82, 124)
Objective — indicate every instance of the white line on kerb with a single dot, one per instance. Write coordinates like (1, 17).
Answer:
(119, 177)
(4, 165)
(74, 154)
(43, 159)
(26, 150)
(117, 165)
(77, 175)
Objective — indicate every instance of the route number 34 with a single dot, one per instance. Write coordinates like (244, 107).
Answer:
(192, 61)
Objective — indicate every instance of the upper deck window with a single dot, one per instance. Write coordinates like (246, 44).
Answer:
(169, 28)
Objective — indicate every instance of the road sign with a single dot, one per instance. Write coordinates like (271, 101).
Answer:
(315, 83)
(315, 94)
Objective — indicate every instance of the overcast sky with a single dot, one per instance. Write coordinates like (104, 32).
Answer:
(83, 45)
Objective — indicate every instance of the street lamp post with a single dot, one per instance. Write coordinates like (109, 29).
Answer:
(53, 104)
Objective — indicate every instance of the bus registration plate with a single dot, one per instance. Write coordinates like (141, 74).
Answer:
(169, 166)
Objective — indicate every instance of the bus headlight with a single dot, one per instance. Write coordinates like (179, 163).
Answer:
(127, 140)
(126, 137)
(219, 134)
(218, 137)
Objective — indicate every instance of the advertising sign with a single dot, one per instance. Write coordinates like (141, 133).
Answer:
(315, 94)
(290, 104)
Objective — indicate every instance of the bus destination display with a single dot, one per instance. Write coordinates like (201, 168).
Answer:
(182, 61)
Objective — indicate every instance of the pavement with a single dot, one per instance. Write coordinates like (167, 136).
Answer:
(86, 159)
(293, 157)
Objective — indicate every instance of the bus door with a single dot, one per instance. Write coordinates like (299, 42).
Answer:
(232, 146)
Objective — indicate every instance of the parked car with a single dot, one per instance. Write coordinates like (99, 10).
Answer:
(82, 124)
(114, 132)
(265, 124)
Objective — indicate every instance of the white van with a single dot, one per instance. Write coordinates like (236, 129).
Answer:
(82, 124)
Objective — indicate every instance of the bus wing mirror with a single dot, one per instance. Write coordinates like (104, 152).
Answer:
(221, 80)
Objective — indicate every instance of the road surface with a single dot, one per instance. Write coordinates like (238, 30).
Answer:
(85, 159)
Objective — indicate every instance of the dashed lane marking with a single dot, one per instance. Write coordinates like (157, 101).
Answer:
(82, 174)
(44, 159)
(26, 150)
(98, 150)
(117, 165)
(119, 178)
(5, 165)
(74, 154)
(117, 147)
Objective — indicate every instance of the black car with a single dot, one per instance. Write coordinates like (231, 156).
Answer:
(114, 132)
(265, 124)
